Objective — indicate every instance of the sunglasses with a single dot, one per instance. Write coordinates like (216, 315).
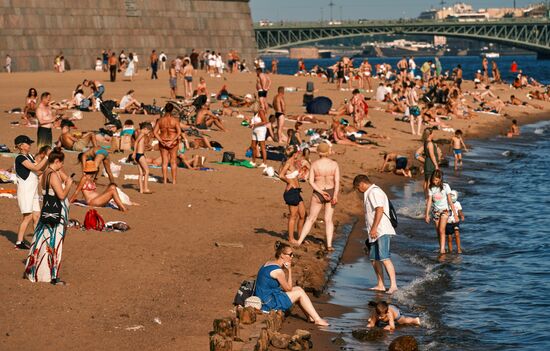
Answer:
(290, 254)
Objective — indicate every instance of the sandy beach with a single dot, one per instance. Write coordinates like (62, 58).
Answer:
(159, 285)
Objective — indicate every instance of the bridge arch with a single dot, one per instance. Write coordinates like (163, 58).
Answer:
(530, 35)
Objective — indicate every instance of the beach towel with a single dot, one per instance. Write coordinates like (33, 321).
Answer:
(238, 163)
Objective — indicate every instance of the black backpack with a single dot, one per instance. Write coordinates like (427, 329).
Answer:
(245, 291)
(393, 215)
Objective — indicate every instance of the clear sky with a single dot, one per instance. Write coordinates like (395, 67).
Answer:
(312, 10)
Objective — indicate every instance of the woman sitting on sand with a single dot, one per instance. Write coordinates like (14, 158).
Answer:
(88, 188)
(129, 104)
(275, 289)
(29, 115)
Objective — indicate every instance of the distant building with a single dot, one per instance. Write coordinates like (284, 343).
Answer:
(463, 12)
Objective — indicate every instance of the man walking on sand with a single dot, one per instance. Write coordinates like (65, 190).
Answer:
(113, 61)
(380, 229)
(154, 64)
(46, 119)
(279, 105)
(263, 82)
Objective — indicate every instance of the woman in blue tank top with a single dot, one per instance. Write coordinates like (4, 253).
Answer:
(275, 289)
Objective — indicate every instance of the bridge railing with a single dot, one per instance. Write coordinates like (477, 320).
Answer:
(361, 23)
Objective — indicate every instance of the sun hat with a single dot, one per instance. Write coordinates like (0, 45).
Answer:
(323, 149)
(89, 167)
(23, 139)
(454, 195)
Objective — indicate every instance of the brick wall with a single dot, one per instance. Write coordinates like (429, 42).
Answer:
(33, 32)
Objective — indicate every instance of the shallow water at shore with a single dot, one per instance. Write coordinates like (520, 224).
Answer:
(495, 296)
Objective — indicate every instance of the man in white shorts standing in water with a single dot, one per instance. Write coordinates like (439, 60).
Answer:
(380, 229)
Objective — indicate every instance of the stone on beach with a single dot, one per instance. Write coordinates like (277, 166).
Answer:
(404, 343)
(372, 334)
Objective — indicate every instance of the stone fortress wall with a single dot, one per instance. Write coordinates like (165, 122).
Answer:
(33, 32)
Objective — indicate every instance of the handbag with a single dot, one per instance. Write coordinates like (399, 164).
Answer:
(253, 301)
(51, 207)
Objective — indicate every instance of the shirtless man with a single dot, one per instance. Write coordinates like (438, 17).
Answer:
(517, 102)
(403, 65)
(70, 142)
(324, 178)
(167, 131)
(496, 105)
(45, 121)
(458, 77)
(411, 98)
(279, 105)
(514, 129)
(173, 80)
(205, 119)
(485, 69)
(188, 78)
(263, 82)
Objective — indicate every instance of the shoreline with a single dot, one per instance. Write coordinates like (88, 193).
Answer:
(354, 246)
(167, 266)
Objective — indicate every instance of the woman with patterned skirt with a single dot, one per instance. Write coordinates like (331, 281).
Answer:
(44, 260)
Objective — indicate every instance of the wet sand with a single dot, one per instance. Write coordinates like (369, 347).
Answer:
(167, 266)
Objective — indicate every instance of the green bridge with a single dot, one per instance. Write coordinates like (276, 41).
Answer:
(529, 34)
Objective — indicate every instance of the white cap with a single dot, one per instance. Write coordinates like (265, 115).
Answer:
(248, 96)
(454, 195)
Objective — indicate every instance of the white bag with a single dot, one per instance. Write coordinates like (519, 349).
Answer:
(253, 301)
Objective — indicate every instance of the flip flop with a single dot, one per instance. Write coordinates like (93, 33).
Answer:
(378, 290)
(147, 192)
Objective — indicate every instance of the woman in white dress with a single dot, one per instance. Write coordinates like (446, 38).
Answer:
(130, 68)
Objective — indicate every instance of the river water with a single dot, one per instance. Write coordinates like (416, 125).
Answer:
(529, 64)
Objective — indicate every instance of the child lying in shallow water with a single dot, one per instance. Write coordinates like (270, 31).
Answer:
(390, 315)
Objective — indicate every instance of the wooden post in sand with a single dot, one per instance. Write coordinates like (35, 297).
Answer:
(227, 327)
(274, 321)
(246, 315)
(301, 340)
(263, 341)
(220, 343)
